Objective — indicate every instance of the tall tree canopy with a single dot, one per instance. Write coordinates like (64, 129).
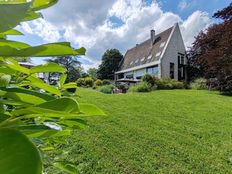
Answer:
(110, 64)
(92, 72)
(71, 64)
(211, 54)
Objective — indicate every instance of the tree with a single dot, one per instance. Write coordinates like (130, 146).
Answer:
(92, 72)
(110, 64)
(71, 64)
(211, 54)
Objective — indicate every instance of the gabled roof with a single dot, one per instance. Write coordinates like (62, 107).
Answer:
(146, 52)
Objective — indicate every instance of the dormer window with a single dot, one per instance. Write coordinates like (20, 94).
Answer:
(158, 54)
(142, 59)
(137, 61)
(149, 57)
(162, 44)
(131, 62)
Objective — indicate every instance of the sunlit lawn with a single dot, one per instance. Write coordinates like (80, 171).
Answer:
(180, 131)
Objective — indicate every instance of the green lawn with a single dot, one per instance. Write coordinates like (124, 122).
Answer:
(179, 131)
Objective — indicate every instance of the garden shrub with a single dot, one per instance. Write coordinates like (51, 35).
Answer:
(85, 82)
(106, 82)
(140, 87)
(107, 89)
(200, 83)
(89, 82)
(148, 79)
(225, 85)
(98, 82)
(123, 86)
(177, 84)
(81, 82)
(167, 83)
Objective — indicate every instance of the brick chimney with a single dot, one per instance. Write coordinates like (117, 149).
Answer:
(152, 36)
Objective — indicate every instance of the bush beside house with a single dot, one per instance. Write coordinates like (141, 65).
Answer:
(107, 89)
(200, 83)
(140, 87)
(167, 83)
(150, 83)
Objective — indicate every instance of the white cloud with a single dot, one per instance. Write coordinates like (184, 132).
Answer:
(87, 23)
(183, 4)
(26, 27)
(42, 28)
(193, 25)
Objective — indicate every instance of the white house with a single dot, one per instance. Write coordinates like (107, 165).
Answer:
(43, 76)
(162, 55)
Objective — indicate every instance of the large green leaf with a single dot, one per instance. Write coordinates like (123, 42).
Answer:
(55, 49)
(4, 80)
(73, 123)
(41, 4)
(18, 154)
(46, 50)
(13, 44)
(63, 78)
(49, 67)
(18, 93)
(3, 117)
(12, 14)
(46, 87)
(24, 98)
(6, 70)
(10, 102)
(90, 110)
(32, 16)
(17, 67)
(13, 1)
(62, 107)
(10, 32)
(68, 105)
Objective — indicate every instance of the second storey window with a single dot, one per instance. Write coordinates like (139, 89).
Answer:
(181, 59)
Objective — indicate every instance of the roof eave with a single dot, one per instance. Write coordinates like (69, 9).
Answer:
(138, 67)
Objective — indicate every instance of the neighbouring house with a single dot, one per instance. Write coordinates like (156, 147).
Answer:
(46, 77)
(163, 55)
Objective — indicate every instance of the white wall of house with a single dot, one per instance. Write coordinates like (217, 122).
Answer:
(175, 46)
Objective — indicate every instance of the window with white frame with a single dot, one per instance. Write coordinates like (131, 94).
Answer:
(153, 70)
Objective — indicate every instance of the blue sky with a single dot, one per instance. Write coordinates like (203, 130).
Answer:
(184, 8)
(103, 24)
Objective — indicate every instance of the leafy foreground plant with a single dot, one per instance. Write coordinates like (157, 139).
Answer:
(32, 113)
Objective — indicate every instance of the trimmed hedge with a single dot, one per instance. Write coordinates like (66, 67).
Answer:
(167, 83)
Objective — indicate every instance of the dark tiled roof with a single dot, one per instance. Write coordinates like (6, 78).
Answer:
(146, 52)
